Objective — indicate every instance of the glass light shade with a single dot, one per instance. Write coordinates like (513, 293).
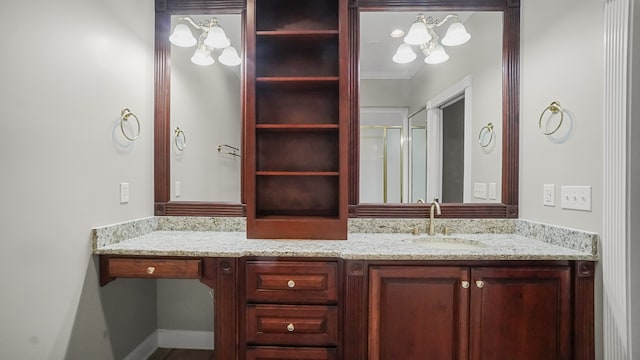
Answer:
(456, 35)
(417, 34)
(229, 57)
(437, 55)
(404, 54)
(216, 38)
(182, 36)
(202, 57)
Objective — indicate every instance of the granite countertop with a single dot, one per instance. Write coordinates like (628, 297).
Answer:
(386, 240)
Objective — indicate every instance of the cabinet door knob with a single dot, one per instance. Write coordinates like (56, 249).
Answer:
(290, 327)
(465, 284)
(151, 270)
(480, 284)
(291, 284)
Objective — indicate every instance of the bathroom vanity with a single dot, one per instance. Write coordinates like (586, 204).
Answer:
(378, 295)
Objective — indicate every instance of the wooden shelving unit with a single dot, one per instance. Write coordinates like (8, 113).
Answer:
(297, 131)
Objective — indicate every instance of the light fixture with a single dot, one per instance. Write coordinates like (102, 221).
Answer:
(212, 37)
(422, 33)
(404, 54)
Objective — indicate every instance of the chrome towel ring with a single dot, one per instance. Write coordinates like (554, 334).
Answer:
(124, 116)
(554, 108)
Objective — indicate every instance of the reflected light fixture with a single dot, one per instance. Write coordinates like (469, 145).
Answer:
(422, 33)
(212, 37)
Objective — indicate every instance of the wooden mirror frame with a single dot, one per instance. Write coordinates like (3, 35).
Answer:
(162, 129)
(510, 110)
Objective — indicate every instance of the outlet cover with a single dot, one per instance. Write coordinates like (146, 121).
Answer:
(549, 194)
(178, 189)
(576, 197)
(124, 193)
(480, 190)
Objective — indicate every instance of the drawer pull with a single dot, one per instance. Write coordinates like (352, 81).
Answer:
(151, 270)
(291, 328)
(291, 284)
(480, 284)
(465, 284)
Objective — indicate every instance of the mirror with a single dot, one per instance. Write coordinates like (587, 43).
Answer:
(420, 122)
(506, 130)
(400, 124)
(198, 110)
(206, 112)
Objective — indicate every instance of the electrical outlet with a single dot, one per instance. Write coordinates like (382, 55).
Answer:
(576, 197)
(178, 189)
(493, 191)
(480, 190)
(549, 194)
(124, 193)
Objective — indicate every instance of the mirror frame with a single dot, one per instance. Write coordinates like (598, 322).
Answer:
(510, 110)
(163, 206)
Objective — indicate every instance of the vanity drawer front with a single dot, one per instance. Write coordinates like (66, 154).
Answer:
(291, 281)
(154, 268)
(279, 353)
(311, 325)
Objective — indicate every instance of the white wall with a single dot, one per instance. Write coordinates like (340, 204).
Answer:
(561, 60)
(68, 67)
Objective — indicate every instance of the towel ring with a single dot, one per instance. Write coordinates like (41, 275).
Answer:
(180, 139)
(554, 108)
(486, 130)
(124, 116)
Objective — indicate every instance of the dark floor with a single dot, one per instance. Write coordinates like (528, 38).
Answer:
(182, 354)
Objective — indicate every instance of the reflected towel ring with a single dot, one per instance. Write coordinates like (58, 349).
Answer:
(554, 108)
(124, 116)
(180, 139)
(486, 130)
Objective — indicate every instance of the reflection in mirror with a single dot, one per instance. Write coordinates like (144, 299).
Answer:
(206, 107)
(436, 110)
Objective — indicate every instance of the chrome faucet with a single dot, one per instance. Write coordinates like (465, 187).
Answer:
(435, 205)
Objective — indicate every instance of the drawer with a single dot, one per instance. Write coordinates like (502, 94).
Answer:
(278, 353)
(291, 282)
(154, 268)
(300, 325)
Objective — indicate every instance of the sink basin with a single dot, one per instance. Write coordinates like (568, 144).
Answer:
(448, 243)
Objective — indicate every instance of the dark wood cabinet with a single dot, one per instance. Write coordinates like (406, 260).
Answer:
(290, 306)
(418, 312)
(296, 119)
(522, 313)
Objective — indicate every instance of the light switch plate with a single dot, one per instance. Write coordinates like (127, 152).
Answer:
(124, 193)
(178, 189)
(576, 197)
(549, 194)
(493, 191)
(480, 190)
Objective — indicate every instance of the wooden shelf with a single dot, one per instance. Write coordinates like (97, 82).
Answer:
(297, 127)
(297, 173)
(297, 33)
(296, 79)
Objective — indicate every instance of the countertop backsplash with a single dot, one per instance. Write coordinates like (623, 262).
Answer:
(582, 241)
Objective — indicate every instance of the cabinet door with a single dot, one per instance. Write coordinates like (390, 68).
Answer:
(418, 313)
(520, 313)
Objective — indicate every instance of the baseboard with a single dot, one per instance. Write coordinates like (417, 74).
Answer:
(176, 339)
(145, 349)
(185, 339)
